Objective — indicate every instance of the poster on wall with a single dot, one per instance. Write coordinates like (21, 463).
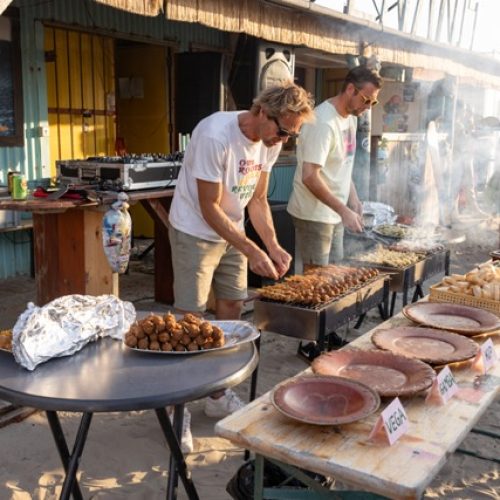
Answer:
(395, 117)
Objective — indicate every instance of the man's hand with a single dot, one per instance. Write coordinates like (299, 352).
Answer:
(259, 263)
(281, 259)
(352, 220)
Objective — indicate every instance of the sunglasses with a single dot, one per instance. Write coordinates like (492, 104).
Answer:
(281, 131)
(366, 100)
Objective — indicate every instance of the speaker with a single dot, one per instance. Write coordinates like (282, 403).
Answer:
(275, 64)
(198, 88)
(256, 65)
(285, 233)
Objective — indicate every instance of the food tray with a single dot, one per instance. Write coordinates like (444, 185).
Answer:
(235, 333)
(495, 255)
(462, 299)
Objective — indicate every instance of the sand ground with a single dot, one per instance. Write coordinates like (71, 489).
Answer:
(125, 455)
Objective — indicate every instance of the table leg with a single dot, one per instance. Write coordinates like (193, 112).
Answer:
(418, 294)
(258, 479)
(70, 462)
(393, 304)
(177, 463)
(253, 385)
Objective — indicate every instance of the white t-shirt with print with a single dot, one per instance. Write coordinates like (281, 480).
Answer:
(330, 142)
(219, 152)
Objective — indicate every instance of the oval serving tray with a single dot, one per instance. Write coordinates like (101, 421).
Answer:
(235, 333)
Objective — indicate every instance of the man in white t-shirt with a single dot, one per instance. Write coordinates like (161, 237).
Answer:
(324, 199)
(226, 168)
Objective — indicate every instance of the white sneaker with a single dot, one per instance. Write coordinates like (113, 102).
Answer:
(186, 438)
(223, 406)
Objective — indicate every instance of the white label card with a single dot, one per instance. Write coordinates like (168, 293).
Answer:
(392, 422)
(486, 357)
(443, 388)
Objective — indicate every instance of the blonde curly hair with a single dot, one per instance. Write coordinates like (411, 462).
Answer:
(287, 97)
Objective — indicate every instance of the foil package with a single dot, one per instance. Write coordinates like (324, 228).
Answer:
(65, 325)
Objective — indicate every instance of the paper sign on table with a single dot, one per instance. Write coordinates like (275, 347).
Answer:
(485, 358)
(443, 388)
(391, 424)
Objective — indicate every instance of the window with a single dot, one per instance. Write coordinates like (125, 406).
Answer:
(11, 112)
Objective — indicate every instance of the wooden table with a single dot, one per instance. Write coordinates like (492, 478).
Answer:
(68, 249)
(344, 452)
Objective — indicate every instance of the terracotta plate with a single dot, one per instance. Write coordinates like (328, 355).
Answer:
(387, 373)
(325, 400)
(457, 318)
(427, 344)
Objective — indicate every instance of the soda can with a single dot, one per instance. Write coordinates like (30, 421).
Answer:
(19, 187)
(10, 175)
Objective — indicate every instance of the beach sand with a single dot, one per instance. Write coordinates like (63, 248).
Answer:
(126, 456)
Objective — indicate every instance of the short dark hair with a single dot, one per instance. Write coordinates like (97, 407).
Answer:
(360, 75)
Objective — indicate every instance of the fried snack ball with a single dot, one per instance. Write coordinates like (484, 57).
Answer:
(192, 330)
(148, 326)
(169, 317)
(217, 333)
(179, 347)
(153, 337)
(166, 346)
(163, 337)
(200, 340)
(135, 330)
(206, 329)
(177, 334)
(174, 343)
(207, 345)
(159, 322)
(154, 346)
(191, 318)
(218, 343)
(185, 340)
(143, 343)
(192, 346)
(131, 340)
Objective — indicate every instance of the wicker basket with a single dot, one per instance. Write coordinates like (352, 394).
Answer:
(465, 300)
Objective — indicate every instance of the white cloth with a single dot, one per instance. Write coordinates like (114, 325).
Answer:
(330, 142)
(219, 152)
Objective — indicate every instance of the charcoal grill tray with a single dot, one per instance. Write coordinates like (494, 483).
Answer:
(313, 323)
(406, 277)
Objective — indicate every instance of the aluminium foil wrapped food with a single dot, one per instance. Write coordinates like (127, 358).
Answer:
(65, 325)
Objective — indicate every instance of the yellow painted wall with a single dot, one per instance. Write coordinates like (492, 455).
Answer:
(143, 121)
(80, 90)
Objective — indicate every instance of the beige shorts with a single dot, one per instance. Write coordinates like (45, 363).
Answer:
(319, 243)
(200, 264)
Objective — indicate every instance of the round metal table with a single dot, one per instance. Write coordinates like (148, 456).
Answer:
(106, 376)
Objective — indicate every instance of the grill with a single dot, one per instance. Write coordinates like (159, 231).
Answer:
(315, 323)
(402, 279)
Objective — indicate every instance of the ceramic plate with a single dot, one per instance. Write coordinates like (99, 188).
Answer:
(457, 318)
(427, 344)
(235, 333)
(325, 400)
(387, 373)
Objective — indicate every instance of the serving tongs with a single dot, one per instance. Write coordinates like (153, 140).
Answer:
(370, 235)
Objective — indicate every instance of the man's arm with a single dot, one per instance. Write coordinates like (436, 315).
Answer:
(353, 201)
(262, 221)
(312, 180)
(210, 195)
